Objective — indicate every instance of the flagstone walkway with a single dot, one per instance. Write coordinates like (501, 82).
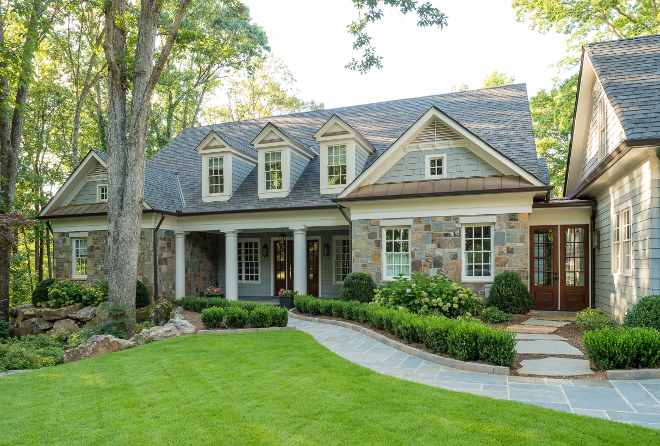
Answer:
(634, 402)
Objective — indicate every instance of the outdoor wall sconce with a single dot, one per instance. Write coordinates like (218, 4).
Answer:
(264, 250)
(326, 250)
(596, 239)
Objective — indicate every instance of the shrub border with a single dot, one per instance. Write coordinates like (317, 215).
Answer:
(245, 330)
(412, 351)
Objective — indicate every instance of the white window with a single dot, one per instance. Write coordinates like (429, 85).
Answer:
(337, 165)
(477, 252)
(248, 261)
(342, 253)
(102, 193)
(216, 176)
(397, 252)
(79, 263)
(622, 256)
(616, 243)
(273, 170)
(435, 166)
(602, 128)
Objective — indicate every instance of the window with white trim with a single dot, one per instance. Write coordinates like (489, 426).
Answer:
(622, 255)
(616, 243)
(216, 176)
(602, 128)
(273, 170)
(248, 261)
(337, 165)
(79, 263)
(102, 193)
(478, 252)
(397, 252)
(342, 259)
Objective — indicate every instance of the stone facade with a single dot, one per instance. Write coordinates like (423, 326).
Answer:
(201, 262)
(435, 246)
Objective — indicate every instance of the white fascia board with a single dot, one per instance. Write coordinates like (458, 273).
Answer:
(76, 178)
(396, 151)
(352, 133)
(82, 223)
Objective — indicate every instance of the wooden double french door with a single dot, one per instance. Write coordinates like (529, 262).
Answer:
(284, 266)
(559, 267)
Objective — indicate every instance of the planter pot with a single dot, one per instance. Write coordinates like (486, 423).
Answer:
(222, 295)
(286, 302)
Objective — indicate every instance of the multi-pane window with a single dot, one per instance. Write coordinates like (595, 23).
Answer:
(575, 266)
(478, 251)
(602, 128)
(103, 193)
(273, 170)
(79, 257)
(342, 259)
(216, 176)
(248, 261)
(337, 165)
(616, 243)
(397, 252)
(622, 242)
(436, 166)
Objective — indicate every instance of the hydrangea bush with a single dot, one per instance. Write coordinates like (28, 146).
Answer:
(428, 295)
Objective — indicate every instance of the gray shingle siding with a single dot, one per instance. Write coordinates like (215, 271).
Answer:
(240, 171)
(360, 160)
(87, 194)
(296, 168)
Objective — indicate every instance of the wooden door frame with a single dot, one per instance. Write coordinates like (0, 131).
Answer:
(274, 240)
(556, 255)
(587, 255)
(319, 253)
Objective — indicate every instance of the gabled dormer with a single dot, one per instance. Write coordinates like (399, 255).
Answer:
(224, 166)
(281, 161)
(344, 153)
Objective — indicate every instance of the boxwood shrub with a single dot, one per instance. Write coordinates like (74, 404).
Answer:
(236, 317)
(260, 317)
(358, 286)
(212, 317)
(279, 316)
(493, 314)
(627, 347)
(645, 313)
(510, 294)
(594, 319)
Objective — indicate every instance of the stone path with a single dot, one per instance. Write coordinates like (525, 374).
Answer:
(634, 402)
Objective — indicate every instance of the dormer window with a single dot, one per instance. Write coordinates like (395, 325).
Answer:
(102, 193)
(435, 166)
(273, 170)
(216, 176)
(337, 165)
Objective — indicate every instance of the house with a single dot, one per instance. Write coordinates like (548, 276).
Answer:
(448, 183)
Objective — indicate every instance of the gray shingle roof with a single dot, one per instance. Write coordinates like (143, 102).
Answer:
(629, 71)
(499, 116)
(543, 170)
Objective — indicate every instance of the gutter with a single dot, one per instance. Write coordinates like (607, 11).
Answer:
(350, 239)
(155, 246)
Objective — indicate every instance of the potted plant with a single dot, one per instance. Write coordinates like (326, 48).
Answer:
(213, 291)
(286, 298)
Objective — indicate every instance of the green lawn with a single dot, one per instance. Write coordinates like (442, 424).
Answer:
(272, 387)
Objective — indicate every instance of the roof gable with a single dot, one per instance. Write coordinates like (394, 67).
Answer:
(337, 128)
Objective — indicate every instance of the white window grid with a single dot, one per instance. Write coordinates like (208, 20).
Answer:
(342, 261)
(436, 166)
(103, 193)
(79, 257)
(626, 241)
(273, 170)
(602, 128)
(397, 252)
(616, 243)
(216, 176)
(478, 251)
(337, 165)
(248, 261)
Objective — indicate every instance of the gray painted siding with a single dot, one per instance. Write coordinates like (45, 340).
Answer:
(461, 163)
(298, 164)
(636, 186)
(614, 131)
(360, 160)
(240, 170)
(87, 195)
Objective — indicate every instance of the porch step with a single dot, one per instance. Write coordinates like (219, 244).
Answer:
(555, 367)
(531, 329)
(544, 322)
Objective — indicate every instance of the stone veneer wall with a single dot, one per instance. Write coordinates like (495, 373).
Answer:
(201, 262)
(436, 247)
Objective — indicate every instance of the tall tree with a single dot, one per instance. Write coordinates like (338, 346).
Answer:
(497, 79)
(127, 135)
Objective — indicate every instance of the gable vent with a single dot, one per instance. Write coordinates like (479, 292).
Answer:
(97, 173)
(436, 131)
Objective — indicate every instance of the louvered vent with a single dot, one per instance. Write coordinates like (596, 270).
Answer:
(97, 173)
(436, 131)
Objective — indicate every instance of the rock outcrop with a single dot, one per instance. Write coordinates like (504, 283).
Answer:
(64, 327)
(96, 346)
(53, 314)
(84, 315)
(157, 313)
(183, 326)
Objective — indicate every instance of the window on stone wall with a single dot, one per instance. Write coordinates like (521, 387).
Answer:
(397, 252)
(342, 258)
(248, 261)
(79, 263)
(622, 256)
(477, 252)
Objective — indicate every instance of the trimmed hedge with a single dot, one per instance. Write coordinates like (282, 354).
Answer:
(218, 312)
(212, 317)
(591, 319)
(645, 313)
(493, 314)
(626, 347)
(236, 317)
(260, 317)
(358, 286)
(463, 339)
(510, 294)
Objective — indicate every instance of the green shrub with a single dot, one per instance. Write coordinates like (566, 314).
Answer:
(358, 286)
(411, 327)
(325, 306)
(197, 304)
(244, 304)
(463, 340)
(212, 317)
(645, 313)
(40, 293)
(424, 295)
(493, 314)
(351, 309)
(498, 346)
(143, 326)
(627, 347)
(62, 293)
(300, 302)
(436, 334)
(141, 295)
(260, 317)
(337, 308)
(594, 319)
(103, 328)
(236, 317)
(5, 327)
(314, 307)
(510, 294)
(30, 352)
(279, 316)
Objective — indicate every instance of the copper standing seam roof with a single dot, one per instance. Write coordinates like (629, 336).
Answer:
(78, 209)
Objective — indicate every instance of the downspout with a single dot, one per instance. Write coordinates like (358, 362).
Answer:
(156, 257)
(48, 254)
(593, 257)
(350, 238)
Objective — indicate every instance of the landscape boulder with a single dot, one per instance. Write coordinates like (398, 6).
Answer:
(102, 313)
(53, 314)
(84, 315)
(13, 311)
(177, 313)
(36, 326)
(143, 337)
(64, 327)
(96, 346)
(28, 312)
(182, 326)
(157, 313)
(159, 333)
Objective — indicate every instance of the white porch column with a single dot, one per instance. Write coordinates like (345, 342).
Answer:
(300, 260)
(231, 264)
(180, 264)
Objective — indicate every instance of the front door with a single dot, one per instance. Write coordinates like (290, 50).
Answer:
(544, 272)
(575, 267)
(313, 267)
(283, 266)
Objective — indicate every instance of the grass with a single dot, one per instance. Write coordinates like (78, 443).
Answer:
(270, 388)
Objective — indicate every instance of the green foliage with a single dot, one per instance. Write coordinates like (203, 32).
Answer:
(4, 328)
(212, 317)
(325, 306)
(104, 328)
(236, 317)
(594, 319)
(279, 316)
(509, 294)
(627, 347)
(62, 293)
(358, 286)
(30, 352)
(146, 325)
(424, 295)
(197, 304)
(337, 307)
(40, 293)
(313, 307)
(493, 314)
(300, 302)
(141, 295)
(645, 313)
(497, 79)
(260, 317)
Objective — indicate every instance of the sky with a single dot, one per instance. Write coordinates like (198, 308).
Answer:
(312, 39)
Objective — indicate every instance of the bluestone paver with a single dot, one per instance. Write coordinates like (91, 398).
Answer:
(547, 348)
(555, 367)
